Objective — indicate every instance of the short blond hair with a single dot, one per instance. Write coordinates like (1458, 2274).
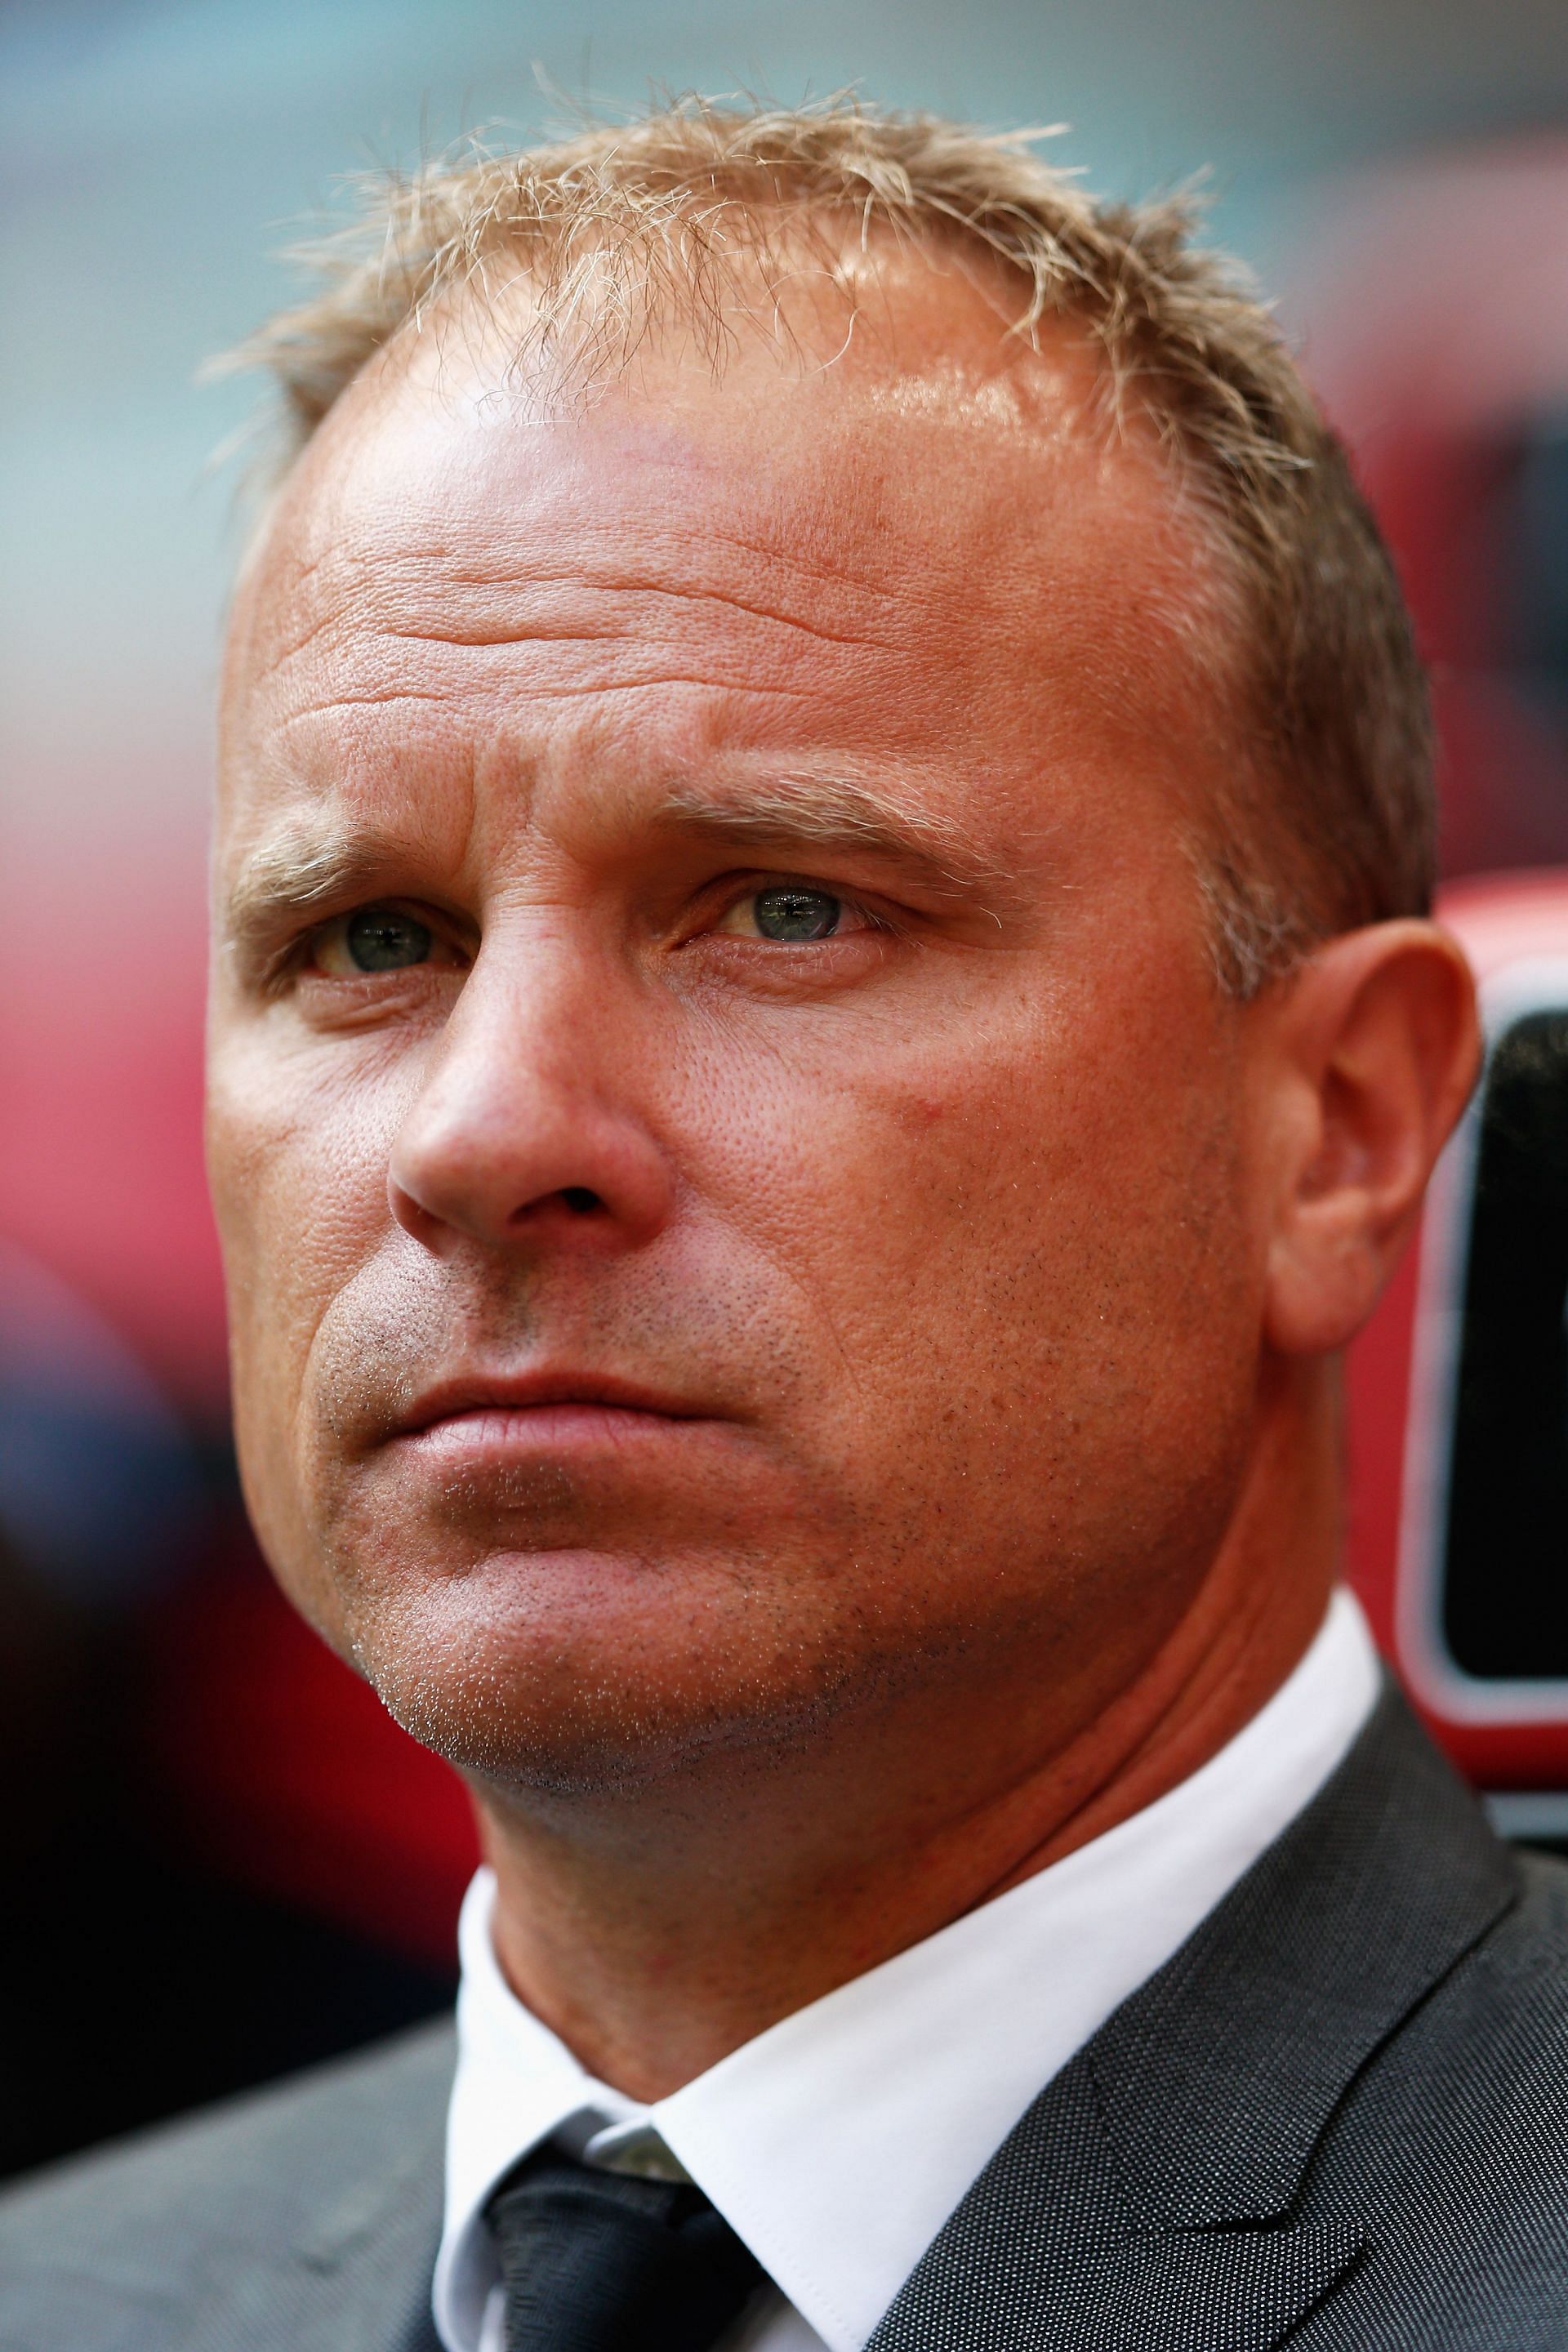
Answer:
(1335, 824)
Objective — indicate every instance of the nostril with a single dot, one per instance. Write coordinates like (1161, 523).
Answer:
(577, 1200)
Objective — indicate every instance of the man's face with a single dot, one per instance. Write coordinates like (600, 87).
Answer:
(730, 1157)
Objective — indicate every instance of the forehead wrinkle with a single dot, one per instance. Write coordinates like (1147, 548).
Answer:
(531, 631)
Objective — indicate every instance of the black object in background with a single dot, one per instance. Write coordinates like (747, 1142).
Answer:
(1505, 1593)
(134, 1988)
(135, 1981)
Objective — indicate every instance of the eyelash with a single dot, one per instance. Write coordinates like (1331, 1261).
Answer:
(299, 958)
(871, 917)
(446, 955)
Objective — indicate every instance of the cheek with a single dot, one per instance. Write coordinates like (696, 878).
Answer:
(297, 1160)
(1029, 1228)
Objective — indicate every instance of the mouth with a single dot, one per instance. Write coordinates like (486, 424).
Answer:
(543, 1413)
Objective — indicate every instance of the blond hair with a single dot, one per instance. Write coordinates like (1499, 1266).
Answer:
(1334, 824)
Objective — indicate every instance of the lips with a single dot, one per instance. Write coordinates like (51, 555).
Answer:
(549, 1395)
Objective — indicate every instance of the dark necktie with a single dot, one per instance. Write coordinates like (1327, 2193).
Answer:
(601, 2262)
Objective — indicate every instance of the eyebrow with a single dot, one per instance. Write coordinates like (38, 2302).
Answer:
(302, 869)
(838, 813)
(311, 865)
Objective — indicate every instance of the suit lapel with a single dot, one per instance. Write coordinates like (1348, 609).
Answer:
(1148, 2198)
(1050, 2252)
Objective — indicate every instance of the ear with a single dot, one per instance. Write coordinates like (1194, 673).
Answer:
(1374, 1048)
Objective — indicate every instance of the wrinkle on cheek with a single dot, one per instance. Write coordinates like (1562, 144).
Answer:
(299, 1169)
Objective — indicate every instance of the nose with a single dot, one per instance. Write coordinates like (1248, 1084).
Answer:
(524, 1134)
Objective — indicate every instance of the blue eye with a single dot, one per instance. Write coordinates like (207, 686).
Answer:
(379, 940)
(790, 913)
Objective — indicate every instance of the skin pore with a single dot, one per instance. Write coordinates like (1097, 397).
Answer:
(780, 1315)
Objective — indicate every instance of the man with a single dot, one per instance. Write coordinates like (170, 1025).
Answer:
(823, 1020)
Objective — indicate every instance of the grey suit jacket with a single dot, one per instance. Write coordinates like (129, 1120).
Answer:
(1338, 2119)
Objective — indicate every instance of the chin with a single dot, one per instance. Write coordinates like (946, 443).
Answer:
(573, 1678)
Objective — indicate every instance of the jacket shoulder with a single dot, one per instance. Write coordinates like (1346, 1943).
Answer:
(1534, 1934)
(1506, 2007)
(305, 2213)
(1503, 2013)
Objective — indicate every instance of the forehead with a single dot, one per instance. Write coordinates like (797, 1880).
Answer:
(921, 538)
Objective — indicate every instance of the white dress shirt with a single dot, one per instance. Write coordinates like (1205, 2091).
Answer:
(839, 2142)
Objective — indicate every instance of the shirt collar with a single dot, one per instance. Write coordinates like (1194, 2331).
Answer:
(837, 2142)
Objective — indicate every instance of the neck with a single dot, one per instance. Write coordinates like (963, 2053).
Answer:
(656, 1945)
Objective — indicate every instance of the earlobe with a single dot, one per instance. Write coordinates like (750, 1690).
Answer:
(1376, 1047)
